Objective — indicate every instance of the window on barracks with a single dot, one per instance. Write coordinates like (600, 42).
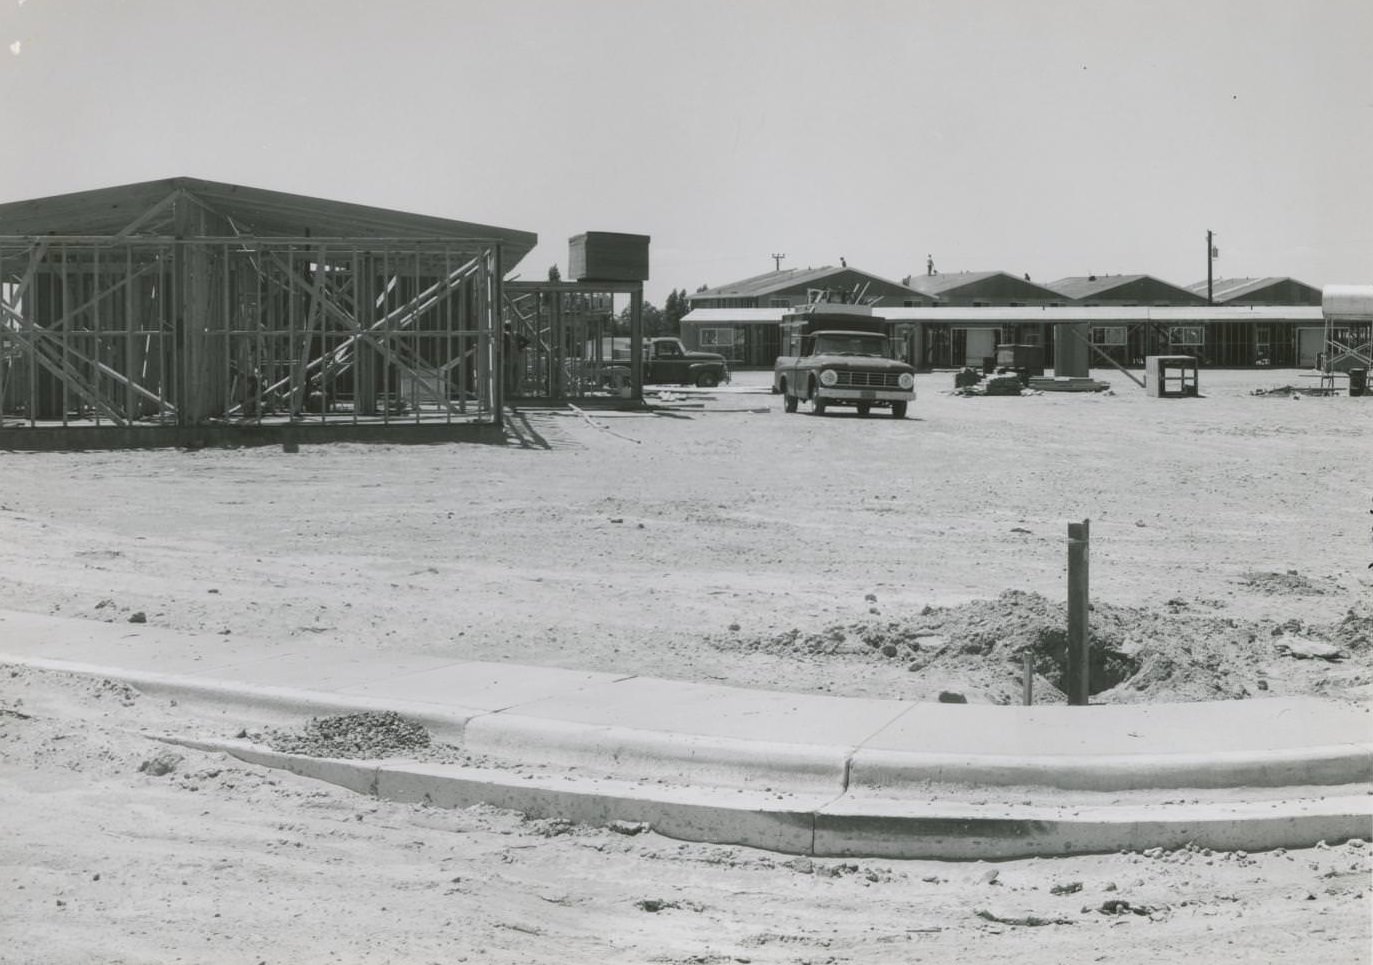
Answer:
(1108, 335)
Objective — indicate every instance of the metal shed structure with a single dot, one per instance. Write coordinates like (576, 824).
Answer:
(1348, 336)
(184, 311)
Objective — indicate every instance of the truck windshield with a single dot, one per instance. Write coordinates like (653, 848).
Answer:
(841, 343)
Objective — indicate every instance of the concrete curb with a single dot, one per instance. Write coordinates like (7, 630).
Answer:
(361, 777)
(953, 833)
(843, 826)
(660, 755)
(445, 722)
(734, 763)
(1341, 764)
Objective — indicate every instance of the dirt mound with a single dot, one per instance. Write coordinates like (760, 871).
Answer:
(1354, 632)
(1187, 651)
(1290, 583)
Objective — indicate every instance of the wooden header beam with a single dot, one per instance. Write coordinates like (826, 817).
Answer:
(517, 287)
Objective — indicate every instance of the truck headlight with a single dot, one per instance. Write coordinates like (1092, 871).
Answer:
(829, 377)
(906, 381)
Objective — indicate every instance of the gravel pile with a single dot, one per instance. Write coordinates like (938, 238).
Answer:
(368, 735)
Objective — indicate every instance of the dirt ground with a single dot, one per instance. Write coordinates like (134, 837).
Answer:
(721, 540)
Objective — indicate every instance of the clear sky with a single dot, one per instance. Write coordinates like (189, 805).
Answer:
(1054, 137)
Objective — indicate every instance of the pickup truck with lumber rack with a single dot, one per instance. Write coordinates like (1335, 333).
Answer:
(839, 354)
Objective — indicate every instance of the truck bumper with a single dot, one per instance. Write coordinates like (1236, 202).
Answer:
(865, 395)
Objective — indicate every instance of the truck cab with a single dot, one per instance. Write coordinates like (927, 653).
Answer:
(840, 355)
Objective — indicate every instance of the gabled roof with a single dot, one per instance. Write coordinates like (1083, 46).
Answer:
(146, 208)
(938, 284)
(1228, 289)
(1078, 287)
(768, 282)
(943, 284)
(1083, 286)
(1072, 314)
(787, 278)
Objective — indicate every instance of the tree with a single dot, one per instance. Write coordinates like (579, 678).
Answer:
(654, 324)
(677, 306)
(554, 274)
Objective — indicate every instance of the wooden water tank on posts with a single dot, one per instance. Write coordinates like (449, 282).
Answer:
(608, 256)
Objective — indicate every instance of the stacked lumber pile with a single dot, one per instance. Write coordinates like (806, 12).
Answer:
(1067, 384)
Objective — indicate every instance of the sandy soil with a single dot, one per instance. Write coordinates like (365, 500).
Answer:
(865, 557)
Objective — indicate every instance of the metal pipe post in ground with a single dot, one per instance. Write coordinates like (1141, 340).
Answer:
(1079, 635)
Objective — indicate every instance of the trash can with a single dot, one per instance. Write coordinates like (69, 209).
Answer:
(1358, 382)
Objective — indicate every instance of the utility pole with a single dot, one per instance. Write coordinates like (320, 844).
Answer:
(777, 261)
(1210, 257)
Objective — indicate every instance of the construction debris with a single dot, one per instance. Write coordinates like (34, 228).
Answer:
(1306, 649)
(1003, 385)
(1032, 920)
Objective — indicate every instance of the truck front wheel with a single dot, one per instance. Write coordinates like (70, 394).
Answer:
(817, 403)
(898, 410)
(707, 380)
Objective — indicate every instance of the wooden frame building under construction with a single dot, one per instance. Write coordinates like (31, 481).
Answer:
(184, 311)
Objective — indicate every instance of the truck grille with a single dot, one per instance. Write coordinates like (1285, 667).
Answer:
(869, 380)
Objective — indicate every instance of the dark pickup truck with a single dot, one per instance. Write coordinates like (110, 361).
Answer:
(666, 362)
(840, 355)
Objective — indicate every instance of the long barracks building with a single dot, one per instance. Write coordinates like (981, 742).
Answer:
(948, 321)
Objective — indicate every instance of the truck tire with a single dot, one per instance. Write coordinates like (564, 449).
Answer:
(817, 403)
(707, 380)
(898, 410)
(863, 410)
(788, 400)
